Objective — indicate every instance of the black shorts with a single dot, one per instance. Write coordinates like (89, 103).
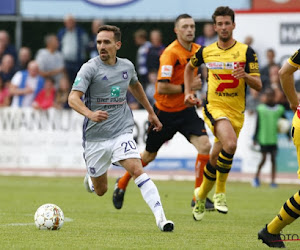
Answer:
(187, 122)
(268, 148)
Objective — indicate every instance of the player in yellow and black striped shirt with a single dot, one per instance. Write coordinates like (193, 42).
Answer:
(290, 210)
(232, 66)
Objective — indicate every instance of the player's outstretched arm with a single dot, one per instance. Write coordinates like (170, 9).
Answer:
(76, 103)
(286, 75)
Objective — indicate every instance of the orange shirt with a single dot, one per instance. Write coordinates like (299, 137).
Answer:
(172, 63)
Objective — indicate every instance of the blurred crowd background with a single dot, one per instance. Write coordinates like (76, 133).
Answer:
(52, 53)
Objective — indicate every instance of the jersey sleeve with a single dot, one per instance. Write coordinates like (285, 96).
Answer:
(83, 78)
(166, 66)
(251, 66)
(197, 58)
(294, 60)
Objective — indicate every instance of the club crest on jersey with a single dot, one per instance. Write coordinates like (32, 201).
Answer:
(125, 75)
(115, 91)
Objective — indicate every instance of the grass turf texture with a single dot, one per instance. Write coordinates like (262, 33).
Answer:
(95, 224)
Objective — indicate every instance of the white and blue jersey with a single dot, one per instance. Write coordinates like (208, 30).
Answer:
(105, 87)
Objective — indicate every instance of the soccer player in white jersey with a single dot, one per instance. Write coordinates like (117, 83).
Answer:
(108, 124)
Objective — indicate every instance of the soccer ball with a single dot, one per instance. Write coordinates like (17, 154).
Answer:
(49, 217)
(283, 126)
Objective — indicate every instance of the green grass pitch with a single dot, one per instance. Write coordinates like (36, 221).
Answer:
(93, 223)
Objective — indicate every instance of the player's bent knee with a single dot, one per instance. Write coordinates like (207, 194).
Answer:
(207, 145)
(230, 147)
(101, 191)
(137, 172)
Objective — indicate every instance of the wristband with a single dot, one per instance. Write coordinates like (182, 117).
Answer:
(182, 87)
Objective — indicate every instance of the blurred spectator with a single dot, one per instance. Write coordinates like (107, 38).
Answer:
(50, 60)
(2, 50)
(155, 50)
(73, 43)
(45, 98)
(249, 40)
(7, 68)
(150, 88)
(279, 96)
(62, 93)
(4, 94)
(92, 45)
(24, 57)
(140, 39)
(25, 85)
(268, 114)
(209, 35)
(9, 48)
(264, 71)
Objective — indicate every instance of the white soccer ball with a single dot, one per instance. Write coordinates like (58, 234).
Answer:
(283, 126)
(49, 217)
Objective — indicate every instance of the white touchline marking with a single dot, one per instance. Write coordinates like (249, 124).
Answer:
(27, 224)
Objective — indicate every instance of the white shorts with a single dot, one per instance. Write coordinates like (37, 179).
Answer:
(100, 155)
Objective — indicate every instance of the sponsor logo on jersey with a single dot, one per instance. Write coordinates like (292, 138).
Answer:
(215, 65)
(166, 70)
(115, 91)
(125, 75)
(229, 65)
(77, 81)
(110, 3)
(226, 94)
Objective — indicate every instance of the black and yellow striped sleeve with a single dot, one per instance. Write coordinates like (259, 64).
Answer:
(197, 58)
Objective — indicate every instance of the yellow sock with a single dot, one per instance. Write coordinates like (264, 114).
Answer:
(209, 179)
(289, 212)
(223, 166)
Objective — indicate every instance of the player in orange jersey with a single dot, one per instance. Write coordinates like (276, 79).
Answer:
(170, 108)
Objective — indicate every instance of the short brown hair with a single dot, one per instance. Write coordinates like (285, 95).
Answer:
(115, 29)
(223, 11)
(182, 16)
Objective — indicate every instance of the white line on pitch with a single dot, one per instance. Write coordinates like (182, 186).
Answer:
(27, 224)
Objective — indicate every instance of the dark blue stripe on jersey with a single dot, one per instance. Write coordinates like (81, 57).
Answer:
(143, 182)
(87, 101)
(290, 212)
(209, 116)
